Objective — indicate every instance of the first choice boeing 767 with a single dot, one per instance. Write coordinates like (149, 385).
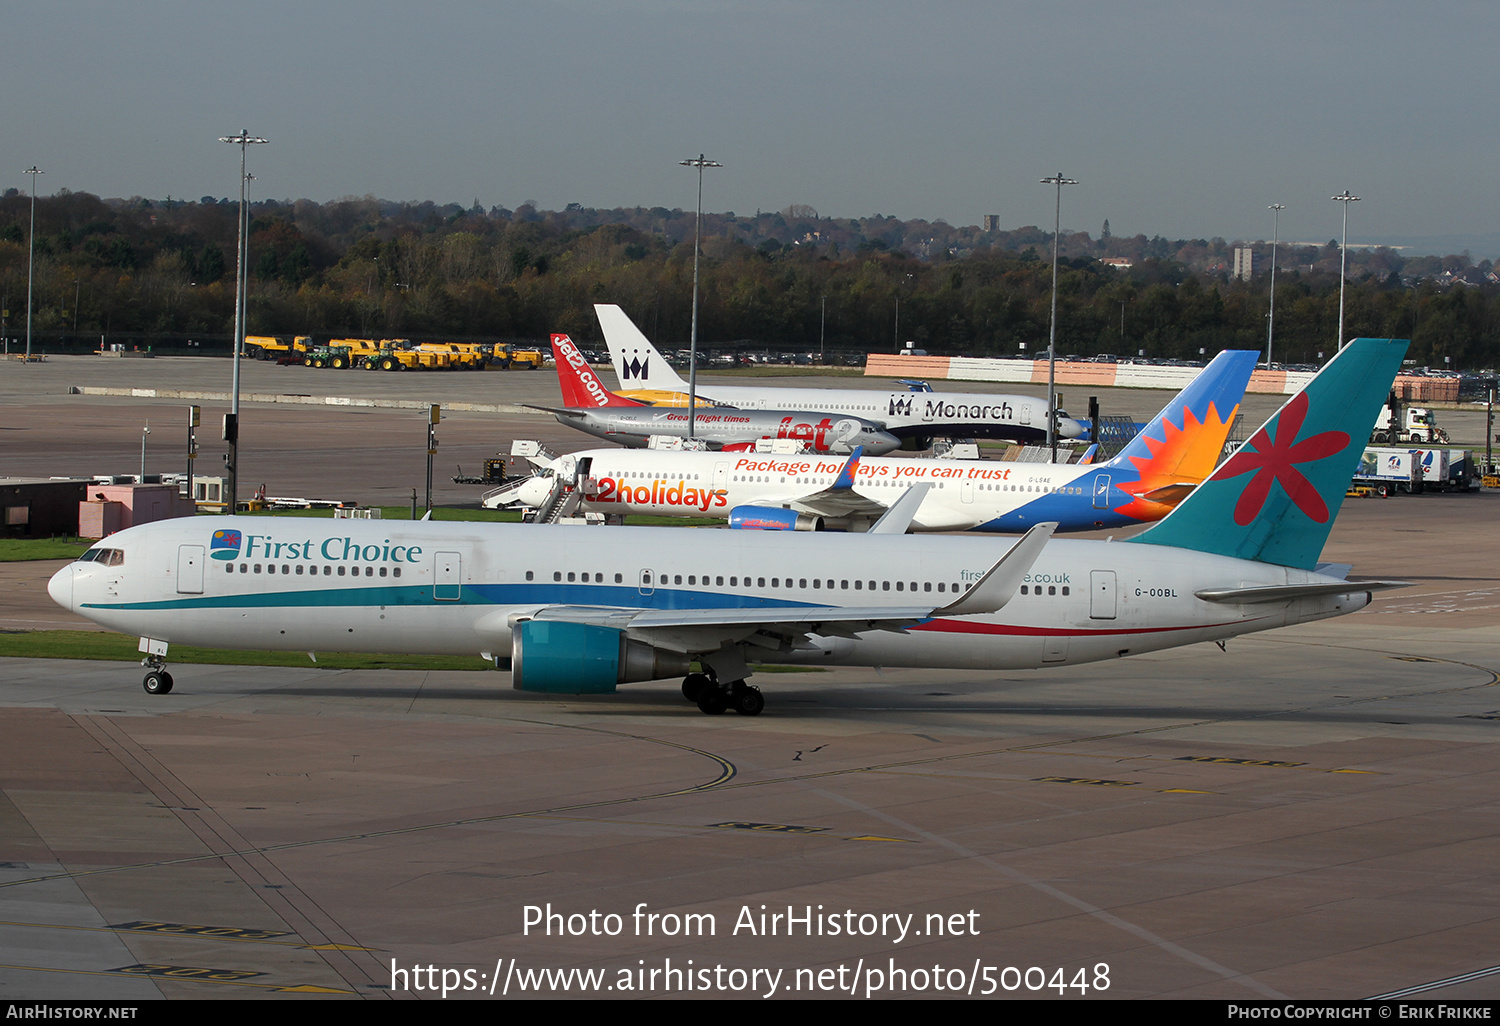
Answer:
(585, 609)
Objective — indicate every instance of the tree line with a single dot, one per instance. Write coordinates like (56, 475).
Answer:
(785, 279)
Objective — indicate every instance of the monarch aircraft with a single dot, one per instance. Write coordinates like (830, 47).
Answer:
(1172, 454)
(584, 609)
(916, 416)
(590, 407)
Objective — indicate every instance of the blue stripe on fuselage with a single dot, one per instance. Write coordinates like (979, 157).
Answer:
(520, 594)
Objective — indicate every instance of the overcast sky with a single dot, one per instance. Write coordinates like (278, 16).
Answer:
(1184, 119)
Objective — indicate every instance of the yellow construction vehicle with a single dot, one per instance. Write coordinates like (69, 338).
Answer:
(508, 356)
(271, 347)
(460, 356)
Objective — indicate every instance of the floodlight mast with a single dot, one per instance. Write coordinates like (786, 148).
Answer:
(1346, 198)
(232, 431)
(1059, 181)
(33, 171)
(700, 163)
(1271, 316)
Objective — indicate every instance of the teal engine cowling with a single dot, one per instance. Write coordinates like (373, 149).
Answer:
(559, 658)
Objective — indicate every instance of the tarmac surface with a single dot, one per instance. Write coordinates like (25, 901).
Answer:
(1312, 813)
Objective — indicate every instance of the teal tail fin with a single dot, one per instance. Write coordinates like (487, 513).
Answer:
(1275, 500)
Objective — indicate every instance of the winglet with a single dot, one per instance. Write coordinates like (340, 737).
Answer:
(845, 480)
(1000, 582)
(899, 517)
(580, 386)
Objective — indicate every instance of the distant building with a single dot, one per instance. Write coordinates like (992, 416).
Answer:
(40, 507)
(1118, 263)
(1244, 263)
(992, 222)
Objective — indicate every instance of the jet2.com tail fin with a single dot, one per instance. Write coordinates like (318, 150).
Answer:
(637, 363)
(580, 386)
(1183, 443)
(1275, 500)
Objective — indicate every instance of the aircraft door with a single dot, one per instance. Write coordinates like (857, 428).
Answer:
(966, 491)
(190, 569)
(1101, 491)
(447, 576)
(721, 475)
(647, 584)
(1102, 594)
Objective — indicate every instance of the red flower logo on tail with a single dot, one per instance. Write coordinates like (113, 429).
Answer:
(1275, 460)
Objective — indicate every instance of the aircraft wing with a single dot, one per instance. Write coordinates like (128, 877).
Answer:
(788, 626)
(838, 502)
(773, 627)
(840, 499)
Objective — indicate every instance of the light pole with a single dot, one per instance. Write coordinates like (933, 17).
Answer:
(144, 432)
(1345, 198)
(232, 422)
(700, 163)
(33, 171)
(1271, 318)
(1059, 181)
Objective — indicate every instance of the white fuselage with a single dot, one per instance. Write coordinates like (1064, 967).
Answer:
(965, 494)
(636, 425)
(456, 588)
(904, 414)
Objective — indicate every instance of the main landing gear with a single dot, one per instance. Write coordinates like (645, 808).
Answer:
(157, 680)
(714, 698)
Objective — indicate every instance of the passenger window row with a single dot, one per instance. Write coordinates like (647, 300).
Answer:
(718, 581)
(312, 571)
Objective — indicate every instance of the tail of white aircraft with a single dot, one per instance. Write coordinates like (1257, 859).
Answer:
(637, 363)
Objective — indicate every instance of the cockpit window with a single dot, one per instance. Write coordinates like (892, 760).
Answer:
(109, 557)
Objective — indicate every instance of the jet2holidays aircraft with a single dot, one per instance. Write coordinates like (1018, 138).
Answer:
(1172, 454)
(916, 416)
(582, 610)
(592, 408)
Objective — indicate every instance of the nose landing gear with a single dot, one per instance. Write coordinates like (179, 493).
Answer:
(157, 680)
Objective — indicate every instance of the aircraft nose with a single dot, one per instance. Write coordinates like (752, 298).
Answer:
(61, 587)
(1069, 428)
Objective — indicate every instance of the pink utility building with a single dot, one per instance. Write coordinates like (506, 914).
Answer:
(112, 508)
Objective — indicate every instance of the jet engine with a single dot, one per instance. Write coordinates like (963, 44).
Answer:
(561, 658)
(772, 518)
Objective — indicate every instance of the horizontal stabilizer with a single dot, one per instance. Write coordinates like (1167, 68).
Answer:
(1289, 592)
(1170, 494)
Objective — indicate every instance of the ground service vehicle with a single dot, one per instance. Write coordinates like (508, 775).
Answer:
(1414, 471)
(457, 356)
(271, 347)
(508, 356)
(1401, 423)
